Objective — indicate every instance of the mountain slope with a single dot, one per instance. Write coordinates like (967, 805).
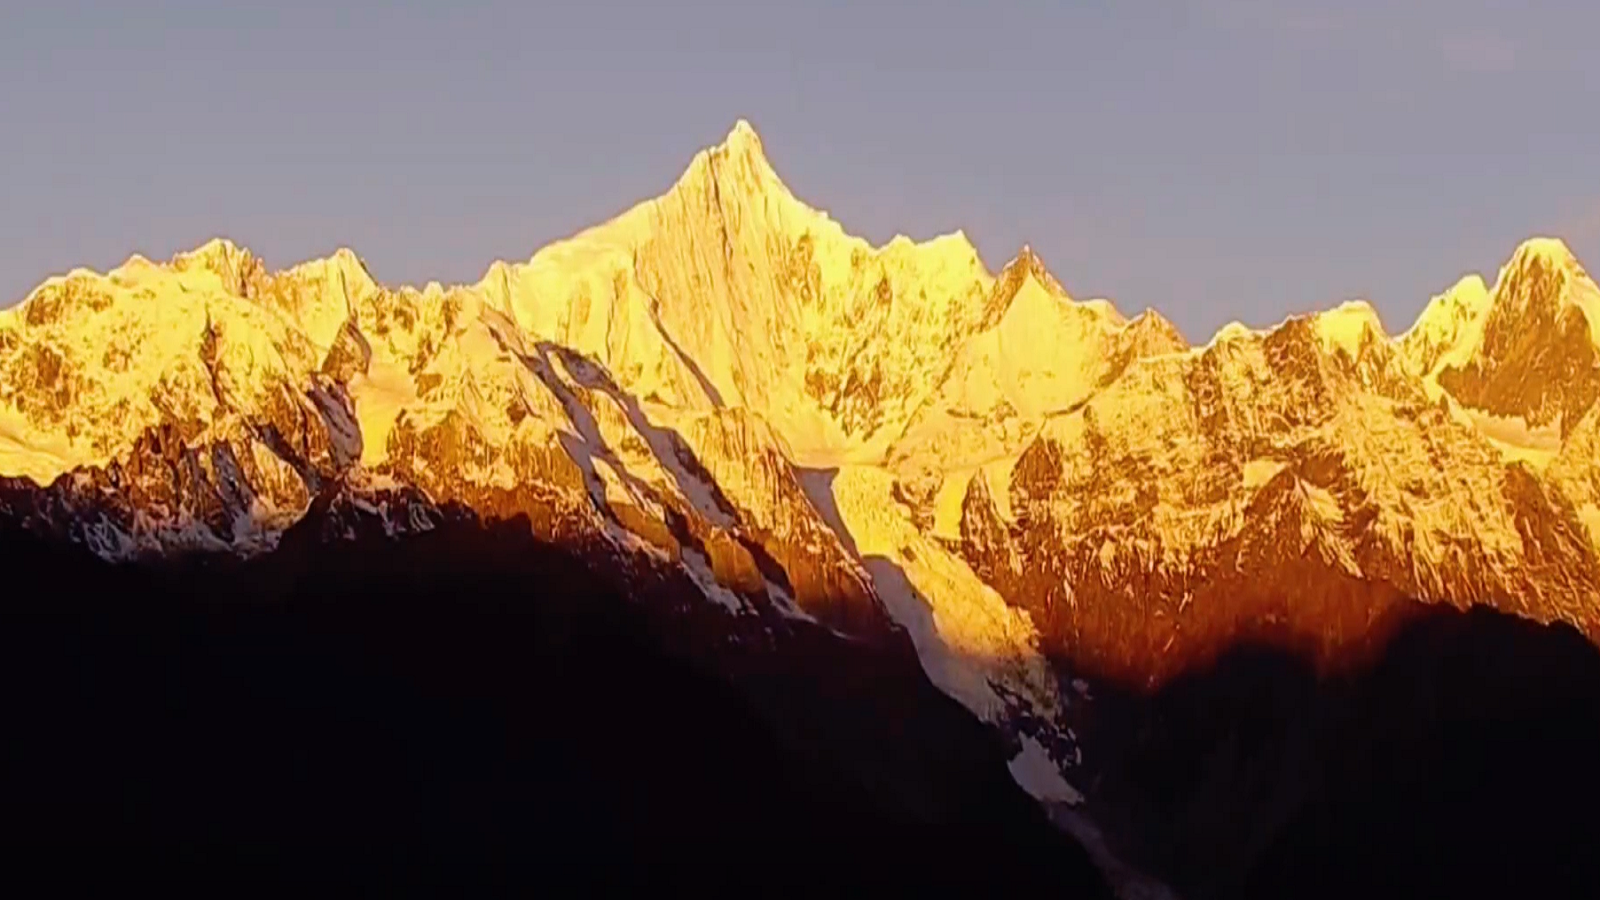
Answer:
(888, 443)
(587, 389)
(1149, 523)
(1038, 352)
(763, 301)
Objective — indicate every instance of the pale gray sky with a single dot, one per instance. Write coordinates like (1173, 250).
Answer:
(1217, 159)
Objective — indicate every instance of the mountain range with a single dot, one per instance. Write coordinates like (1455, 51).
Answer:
(721, 403)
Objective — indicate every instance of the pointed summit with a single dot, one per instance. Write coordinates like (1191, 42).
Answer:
(1448, 312)
(1026, 257)
(1348, 327)
(1543, 276)
(352, 267)
(1014, 276)
(342, 268)
(1550, 250)
(218, 250)
(1444, 327)
(1027, 263)
(739, 163)
(742, 140)
(237, 267)
(1469, 291)
(1535, 352)
(1541, 280)
(1151, 334)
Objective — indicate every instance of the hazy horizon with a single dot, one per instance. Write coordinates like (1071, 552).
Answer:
(1221, 160)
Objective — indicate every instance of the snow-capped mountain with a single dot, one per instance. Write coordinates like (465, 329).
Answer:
(1534, 352)
(724, 385)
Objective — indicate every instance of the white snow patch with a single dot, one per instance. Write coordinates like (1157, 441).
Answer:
(1515, 439)
(965, 635)
(379, 395)
(784, 604)
(699, 569)
(1233, 331)
(1323, 502)
(943, 667)
(1126, 882)
(109, 542)
(1589, 515)
(1260, 471)
(1037, 774)
(1347, 327)
(947, 504)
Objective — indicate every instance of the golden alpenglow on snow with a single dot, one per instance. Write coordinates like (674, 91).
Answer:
(723, 391)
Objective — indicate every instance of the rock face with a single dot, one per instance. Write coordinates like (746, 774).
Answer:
(1271, 480)
(888, 443)
(1534, 354)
